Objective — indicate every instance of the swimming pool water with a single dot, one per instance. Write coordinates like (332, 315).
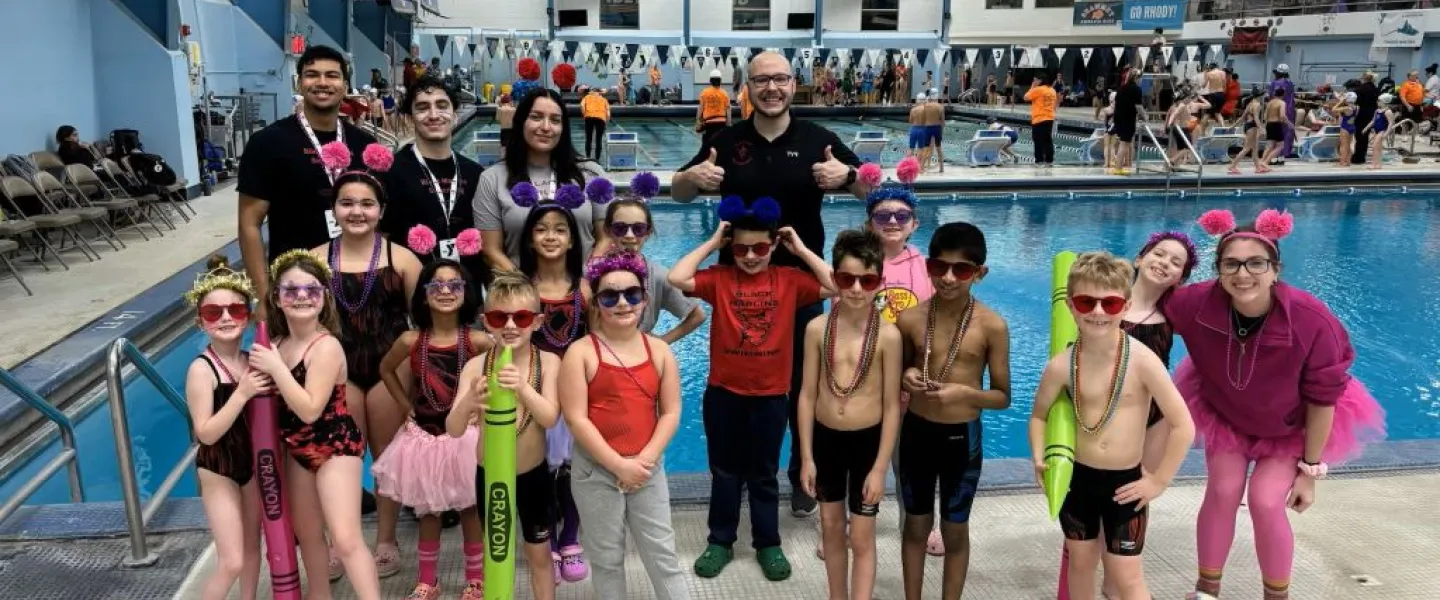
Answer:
(1372, 259)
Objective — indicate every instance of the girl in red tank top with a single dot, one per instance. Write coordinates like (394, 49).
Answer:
(620, 393)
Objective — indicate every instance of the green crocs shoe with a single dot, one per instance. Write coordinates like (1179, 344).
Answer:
(773, 563)
(713, 560)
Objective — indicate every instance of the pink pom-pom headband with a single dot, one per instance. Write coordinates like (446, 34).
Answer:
(1271, 225)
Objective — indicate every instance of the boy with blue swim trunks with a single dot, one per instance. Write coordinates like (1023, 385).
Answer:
(917, 125)
(949, 343)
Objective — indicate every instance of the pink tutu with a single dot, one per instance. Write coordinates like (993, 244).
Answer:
(1359, 420)
(429, 473)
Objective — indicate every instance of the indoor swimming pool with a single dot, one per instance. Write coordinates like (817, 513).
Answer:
(1369, 255)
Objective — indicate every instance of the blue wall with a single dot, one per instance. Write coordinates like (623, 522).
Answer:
(333, 16)
(366, 55)
(144, 85)
(54, 84)
(154, 16)
(240, 56)
(269, 15)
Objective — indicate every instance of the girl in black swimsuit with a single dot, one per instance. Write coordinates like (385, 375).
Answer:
(374, 280)
(217, 388)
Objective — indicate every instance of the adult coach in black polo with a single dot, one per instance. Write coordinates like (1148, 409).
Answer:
(796, 163)
(281, 177)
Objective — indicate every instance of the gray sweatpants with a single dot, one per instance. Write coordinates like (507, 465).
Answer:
(607, 513)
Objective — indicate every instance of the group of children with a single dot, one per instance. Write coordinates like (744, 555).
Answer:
(895, 377)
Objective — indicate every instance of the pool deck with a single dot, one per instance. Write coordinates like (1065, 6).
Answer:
(1343, 551)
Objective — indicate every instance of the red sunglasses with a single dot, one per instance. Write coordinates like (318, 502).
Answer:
(498, 319)
(211, 313)
(868, 282)
(1112, 305)
(962, 271)
(743, 250)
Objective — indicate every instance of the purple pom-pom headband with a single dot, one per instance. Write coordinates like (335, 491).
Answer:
(616, 261)
(569, 196)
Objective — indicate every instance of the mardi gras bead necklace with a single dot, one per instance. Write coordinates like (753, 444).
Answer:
(1117, 384)
(867, 355)
(462, 352)
(955, 339)
(534, 381)
(371, 273)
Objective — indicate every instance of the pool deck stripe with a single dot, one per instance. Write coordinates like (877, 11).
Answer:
(1005, 475)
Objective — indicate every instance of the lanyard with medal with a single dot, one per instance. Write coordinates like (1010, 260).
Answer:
(446, 247)
(332, 224)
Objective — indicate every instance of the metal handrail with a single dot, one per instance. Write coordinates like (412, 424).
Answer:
(1199, 161)
(1273, 8)
(1394, 131)
(136, 515)
(68, 457)
(1164, 156)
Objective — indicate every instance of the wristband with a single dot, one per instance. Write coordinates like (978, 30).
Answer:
(1316, 470)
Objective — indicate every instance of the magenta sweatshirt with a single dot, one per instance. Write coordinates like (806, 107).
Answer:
(1304, 356)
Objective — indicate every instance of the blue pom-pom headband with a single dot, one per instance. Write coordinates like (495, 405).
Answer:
(765, 210)
(890, 190)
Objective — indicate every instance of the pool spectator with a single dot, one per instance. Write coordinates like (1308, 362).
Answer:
(1042, 99)
(1128, 100)
(1282, 87)
(1412, 97)
(545, 156)
(1367, 100)
(795, 161)
(713, 114)
(1432, 83)
(596, 110)
(71, 150)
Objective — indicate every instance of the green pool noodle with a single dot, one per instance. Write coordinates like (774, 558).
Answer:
(1060, 421)
(499, 492)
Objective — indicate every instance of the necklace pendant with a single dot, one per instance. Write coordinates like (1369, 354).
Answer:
(842, 410)
(1242, 332)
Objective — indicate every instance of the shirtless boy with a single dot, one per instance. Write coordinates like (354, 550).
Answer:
(949, 341)
(512, 309)
(917, 128)
(849, 413)
(1215, 80)
(932, 117)
(1276, 124)
(1112, 379)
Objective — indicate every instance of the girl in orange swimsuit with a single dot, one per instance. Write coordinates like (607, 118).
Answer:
(307, 366)
(217, 388)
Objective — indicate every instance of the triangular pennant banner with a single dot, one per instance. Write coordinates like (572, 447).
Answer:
(1119, 52)
(693, 51)
(460, 41)
(920, 55)
(441, 41)
(663, 53)
(1085, 54)
(1144, 55)
(790, 54)
(1168, 51)
(970, 55)
(1060, 55)
(631, 49)
(941, 55)
(1215, 50)
(997, 54)
(472, 46)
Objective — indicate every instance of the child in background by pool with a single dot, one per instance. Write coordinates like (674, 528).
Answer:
(629, 225)
(511, 316)
(1377, 128)
(1112, 382)
(621, 395)
(849, 413)
(307, 366)
(423, 468)
(550, 255)
(751, 343)
(940, 434)
(217, 397)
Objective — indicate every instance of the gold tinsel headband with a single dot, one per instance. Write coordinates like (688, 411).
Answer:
(219, 278)
(286, 261)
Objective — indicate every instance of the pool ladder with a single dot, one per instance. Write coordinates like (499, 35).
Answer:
(137, 515)
(1170, 167)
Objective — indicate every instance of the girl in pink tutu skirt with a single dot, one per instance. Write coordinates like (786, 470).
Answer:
(424, 468)
(1268, 382)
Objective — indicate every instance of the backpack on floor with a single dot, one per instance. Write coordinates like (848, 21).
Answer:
(153, 168)
(124, 142)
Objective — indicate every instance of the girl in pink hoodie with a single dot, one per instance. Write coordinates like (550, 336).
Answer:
(1268, 382)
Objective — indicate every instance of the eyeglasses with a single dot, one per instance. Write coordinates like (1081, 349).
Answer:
(211, 313)
(609, 298)
(868, 282)
(761, 81)
(292, 293)
(885, 217)
(498, 319)
(962, 271)
(742, 250)
(1256, 265)
(620, 230)
(1112, 305)
(453, 287)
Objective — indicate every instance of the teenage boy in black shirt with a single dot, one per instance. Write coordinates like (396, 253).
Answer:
(281, 176)
(423, 184)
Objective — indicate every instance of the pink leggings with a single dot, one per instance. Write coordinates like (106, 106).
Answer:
(1270, 486)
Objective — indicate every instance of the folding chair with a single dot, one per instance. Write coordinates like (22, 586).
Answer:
(174, 192)
(59, 201)
(89, 186)
(123, 184)
(7, 247)
(48, 162)
(67, 226)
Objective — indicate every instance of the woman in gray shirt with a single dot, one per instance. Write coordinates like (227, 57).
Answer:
(544, 155)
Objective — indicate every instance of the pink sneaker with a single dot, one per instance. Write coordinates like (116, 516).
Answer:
(424, 591)
(474, 590)
(572, 564)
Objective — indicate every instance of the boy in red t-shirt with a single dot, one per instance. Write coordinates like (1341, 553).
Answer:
(751, 347)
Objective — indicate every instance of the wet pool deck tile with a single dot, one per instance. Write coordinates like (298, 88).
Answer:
(1372, 537)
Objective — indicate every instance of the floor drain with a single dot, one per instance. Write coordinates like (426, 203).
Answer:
(1365, 580)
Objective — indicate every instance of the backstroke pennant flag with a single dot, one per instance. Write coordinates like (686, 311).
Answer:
(970, 55)
(1168, 51)
(997, 54)
(1119, 52)
(1085, 54)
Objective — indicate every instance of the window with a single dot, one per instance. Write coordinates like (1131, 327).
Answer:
(1054, 3)
(879, 15)
(1004, 3)
(751, 15)
(619, 14)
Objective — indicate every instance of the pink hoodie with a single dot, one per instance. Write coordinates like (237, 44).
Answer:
(1301, 355)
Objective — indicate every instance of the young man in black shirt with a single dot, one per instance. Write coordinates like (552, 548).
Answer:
(793, 161)
(430, 184)
(281, 176)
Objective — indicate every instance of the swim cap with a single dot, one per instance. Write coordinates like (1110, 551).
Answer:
(1350, 96)
(920, 97)
(715, 74)
(1282, 68)
(1387, 98)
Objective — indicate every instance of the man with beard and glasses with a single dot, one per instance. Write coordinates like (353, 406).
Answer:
(281, 177)
(796, 162)
(430, 184)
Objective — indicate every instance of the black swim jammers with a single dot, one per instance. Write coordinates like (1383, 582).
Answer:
(842, 461)
(1090, 508)
(948, 454)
